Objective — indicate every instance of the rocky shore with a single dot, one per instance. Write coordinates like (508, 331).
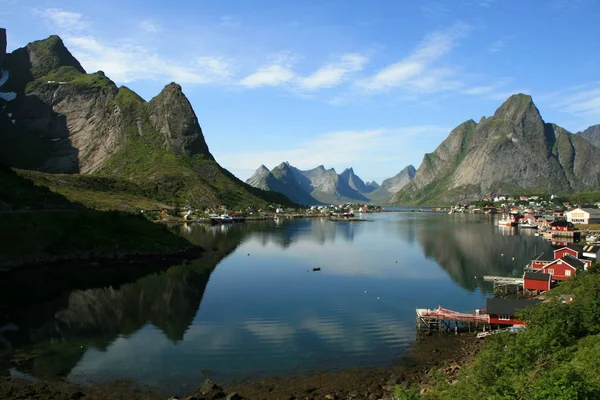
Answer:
(431, 359)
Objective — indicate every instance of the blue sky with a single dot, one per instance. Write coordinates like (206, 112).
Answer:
(374, 85)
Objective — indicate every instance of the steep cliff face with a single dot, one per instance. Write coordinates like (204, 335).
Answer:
(63, 120)
(79, 121)
(172, 116)
(512, 151)
(592, 134)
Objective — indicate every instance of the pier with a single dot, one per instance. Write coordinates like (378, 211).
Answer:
(503, 283)
(442, 319)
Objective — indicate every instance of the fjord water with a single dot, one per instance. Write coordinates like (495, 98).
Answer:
(252, 305)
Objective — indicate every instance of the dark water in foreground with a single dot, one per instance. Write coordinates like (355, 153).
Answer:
(263, 310)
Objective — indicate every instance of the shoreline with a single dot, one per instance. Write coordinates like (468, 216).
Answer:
(428, 359)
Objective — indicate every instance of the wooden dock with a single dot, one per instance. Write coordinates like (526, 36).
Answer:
(503, 279)
(441, 319)
(505, 284)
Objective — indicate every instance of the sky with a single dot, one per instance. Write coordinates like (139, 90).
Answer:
(372, 85)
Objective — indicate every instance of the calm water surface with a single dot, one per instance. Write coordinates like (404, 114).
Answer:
(263, 310)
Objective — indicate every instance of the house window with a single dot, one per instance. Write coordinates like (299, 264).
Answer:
(504, 317)
(550, 271)
(568, 272)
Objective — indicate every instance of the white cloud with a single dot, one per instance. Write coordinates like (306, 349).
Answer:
(580, 102)
(335, 73)
(127, 61)
(66, 21)
(497, 46)
(417, 72)
(268, 75)
(149, 26)
(278, 71)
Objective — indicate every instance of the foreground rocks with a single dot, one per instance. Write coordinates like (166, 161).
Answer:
(434, 358)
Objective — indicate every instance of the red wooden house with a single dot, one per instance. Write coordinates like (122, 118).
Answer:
(537, 281)
(562, 225)
(502, 311)
(564, 268)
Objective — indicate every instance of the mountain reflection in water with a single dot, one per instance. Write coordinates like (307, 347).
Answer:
(262, 308)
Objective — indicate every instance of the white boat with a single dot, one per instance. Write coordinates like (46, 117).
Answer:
(505, 221)
(220, 219)
(591, 238)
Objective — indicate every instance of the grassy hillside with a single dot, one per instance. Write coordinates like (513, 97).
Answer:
(38, 223)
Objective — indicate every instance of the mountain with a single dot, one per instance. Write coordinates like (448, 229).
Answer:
(113, 145)
(356, 183)
(514, 151)
(311, 187)
(281, 179)
(391, 185)
(592, 134)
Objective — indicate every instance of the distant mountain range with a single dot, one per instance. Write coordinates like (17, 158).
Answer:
(514, 151)
(325, 186)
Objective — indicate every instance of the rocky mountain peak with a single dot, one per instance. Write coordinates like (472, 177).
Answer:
(50, 54)
(518, 107)
(263, 168)
(172, 115)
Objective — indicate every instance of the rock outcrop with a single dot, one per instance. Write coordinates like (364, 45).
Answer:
(512, 151)
(173, 117)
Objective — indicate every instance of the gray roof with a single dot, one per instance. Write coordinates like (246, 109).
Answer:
(536, 276)
(593, 211)
(507, 306)
(572, 261)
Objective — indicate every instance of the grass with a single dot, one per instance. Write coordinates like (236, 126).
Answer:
(41, 222)
(70, 75)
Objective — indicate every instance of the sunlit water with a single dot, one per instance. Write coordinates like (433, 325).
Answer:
(263, 310)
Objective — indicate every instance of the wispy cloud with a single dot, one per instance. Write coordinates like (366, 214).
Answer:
(580, 102)
(497, 46)
(230, 21)
(334, 73)
(268, 75)
(126, 61)
(149, 26)
(434, 9)
(418, 71)
(66, 21)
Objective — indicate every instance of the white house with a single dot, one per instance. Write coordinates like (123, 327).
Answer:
(583, 215)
